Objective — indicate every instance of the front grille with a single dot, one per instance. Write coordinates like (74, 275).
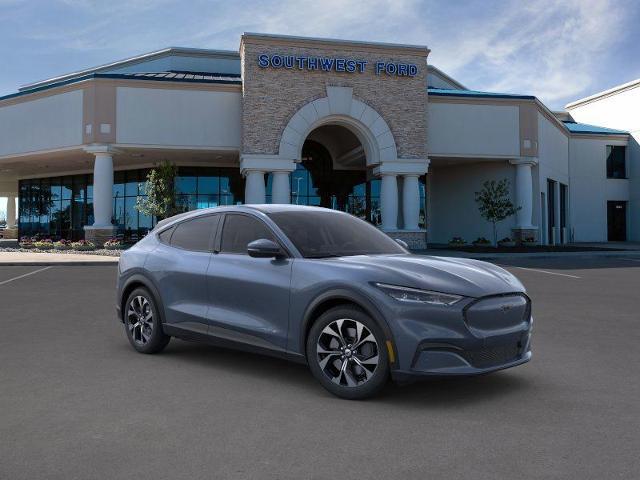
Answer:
(490, 357)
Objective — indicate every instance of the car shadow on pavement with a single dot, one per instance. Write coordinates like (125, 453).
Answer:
(442, 393)
(455, 392)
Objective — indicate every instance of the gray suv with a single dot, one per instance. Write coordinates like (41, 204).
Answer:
(324, 288)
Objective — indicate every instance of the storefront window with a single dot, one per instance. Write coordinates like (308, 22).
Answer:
(60, 207)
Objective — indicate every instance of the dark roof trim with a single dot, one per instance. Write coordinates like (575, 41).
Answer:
(226, 80)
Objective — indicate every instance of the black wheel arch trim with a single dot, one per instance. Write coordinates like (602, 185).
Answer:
(348, 296)
(140, 278)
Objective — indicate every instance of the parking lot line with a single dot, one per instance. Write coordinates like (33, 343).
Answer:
(25, 275)
(550, 273)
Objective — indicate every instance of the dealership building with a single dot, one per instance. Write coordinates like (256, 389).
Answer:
(368, 128)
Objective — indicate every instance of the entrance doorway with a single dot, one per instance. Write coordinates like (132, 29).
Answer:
(617, 221)
(333, 174)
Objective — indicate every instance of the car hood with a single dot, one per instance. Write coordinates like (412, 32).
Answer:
(462, 276)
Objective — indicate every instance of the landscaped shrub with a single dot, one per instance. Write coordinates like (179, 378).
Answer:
(481, 241)
(507, 242)
(46, 244)
(83, 245)
(62, 244)
(114, 244)
(26, 242)
(457, 242)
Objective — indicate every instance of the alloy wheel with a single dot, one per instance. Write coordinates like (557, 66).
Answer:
(140, 320)
(347, 352)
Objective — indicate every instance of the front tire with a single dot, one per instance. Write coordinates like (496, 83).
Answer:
(347, 354)
(142, 323)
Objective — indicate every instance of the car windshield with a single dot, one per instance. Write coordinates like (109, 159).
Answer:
(318, 234)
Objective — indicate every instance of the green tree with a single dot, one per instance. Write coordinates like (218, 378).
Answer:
(160, 191)
(494, 203)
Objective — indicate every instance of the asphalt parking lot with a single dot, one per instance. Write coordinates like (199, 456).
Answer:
(76, 402)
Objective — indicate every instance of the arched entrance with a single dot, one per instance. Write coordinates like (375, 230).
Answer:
(333, 173)
(338, 152)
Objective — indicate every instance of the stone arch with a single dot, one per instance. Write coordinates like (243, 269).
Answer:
(340, 108)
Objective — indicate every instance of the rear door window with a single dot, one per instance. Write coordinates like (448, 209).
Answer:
(195, 234)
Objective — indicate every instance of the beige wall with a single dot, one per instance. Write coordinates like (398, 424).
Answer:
(175, 117)
(49, 122)
(271, 96)
(466, 129)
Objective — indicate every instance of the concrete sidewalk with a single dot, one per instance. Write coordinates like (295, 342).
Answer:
(33, 258)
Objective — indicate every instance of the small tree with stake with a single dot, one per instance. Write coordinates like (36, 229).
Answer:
(160, 191)
(494, 203)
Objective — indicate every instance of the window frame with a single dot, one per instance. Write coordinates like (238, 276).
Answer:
(221, 226)
(625, 175)
(174, 227)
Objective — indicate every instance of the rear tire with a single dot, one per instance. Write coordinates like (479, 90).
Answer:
(347, 353)
(142, 324)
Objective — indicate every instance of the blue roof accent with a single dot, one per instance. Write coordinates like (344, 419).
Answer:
(185, 77)
(585, 128)
(445, 92)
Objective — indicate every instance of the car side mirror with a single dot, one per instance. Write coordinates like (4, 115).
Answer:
(402, 243)
(264, 248)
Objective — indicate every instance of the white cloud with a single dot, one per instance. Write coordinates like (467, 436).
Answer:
(547, 48)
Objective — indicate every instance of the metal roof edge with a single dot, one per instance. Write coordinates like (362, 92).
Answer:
(123, 76)
(132, 61)
(447, 77)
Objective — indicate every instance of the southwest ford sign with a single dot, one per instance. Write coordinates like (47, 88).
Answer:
(333, 64)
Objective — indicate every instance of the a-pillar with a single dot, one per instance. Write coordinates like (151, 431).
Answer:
(524, 198)
(102, 228)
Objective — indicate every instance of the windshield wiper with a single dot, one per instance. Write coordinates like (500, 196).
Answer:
(323, 255)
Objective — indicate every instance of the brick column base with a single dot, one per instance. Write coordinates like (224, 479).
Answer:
(9, 233)
(98, 235)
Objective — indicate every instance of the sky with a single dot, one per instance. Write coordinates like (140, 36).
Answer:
(557, 50)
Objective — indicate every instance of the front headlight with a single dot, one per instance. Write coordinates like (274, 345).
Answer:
(414, 295)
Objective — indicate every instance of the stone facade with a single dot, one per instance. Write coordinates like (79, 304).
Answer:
(271, 96)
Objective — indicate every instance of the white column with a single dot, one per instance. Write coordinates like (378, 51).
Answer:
(389, 201)
(280, 188)
(254, 190)
(410, 201)
(524, 193)
(103, 189)
(11, 212)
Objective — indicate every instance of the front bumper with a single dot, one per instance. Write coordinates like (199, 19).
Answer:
(484, 335)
